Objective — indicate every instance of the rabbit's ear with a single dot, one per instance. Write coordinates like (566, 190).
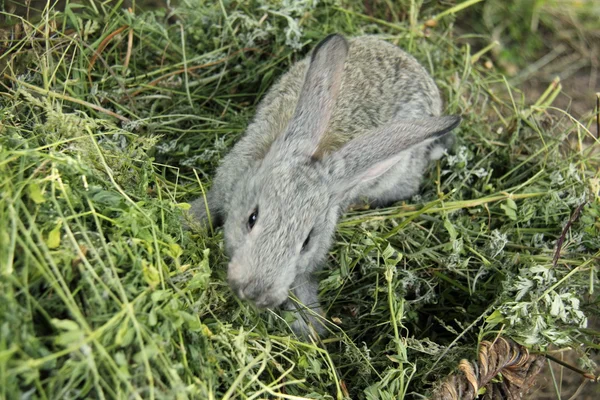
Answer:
(370, 156)
(317, 97)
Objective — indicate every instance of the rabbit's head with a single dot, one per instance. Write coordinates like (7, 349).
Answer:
(283, 213)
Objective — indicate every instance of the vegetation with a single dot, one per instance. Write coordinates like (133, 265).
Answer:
(112, 120)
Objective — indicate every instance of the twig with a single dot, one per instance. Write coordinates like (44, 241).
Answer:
(448, 206)
(129, 46)
(598, 115)
(563, 235)
(67, 98)
(109, 69)
(586, 375)
(579, 390)
(190, 69)
(101, 48)
(455, 9)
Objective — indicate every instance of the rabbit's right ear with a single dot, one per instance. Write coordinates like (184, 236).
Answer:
(317, 97)
(370, 156)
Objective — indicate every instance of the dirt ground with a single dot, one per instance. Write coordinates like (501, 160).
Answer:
(578, 94)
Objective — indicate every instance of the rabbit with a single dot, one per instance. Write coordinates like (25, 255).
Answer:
(357, 120)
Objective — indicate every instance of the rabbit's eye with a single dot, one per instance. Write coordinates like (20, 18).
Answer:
(306, 242)
(252, 219)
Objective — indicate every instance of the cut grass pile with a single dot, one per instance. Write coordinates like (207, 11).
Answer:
(112, 120)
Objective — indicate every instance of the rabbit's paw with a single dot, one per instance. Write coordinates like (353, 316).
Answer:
(307, 325)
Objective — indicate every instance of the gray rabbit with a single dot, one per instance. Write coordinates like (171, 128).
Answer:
(356, 121)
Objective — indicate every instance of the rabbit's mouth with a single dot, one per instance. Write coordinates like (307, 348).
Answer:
(269, 301)
(268, 298)
(255, 289)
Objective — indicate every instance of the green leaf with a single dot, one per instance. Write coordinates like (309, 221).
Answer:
(35, 193)
(183, 206)
(511, 203)
(125, 335)
(6, 355)
(391, 256)
(107, 197)
(201, 277)
(495, 318)
(152, 317)
(315, 366)
(69, 338)
(121, 333)
(65, 324)
(451, 230)
(149, 351)
(510, 209)
(192, 321)
(53, 240)
(120, 358)
(557, 306)
(199, 281)
(150, 273)
(175, 250)
(159, 295)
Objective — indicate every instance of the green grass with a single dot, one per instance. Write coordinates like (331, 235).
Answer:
(111, 121)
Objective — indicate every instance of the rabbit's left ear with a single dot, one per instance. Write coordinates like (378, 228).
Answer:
(317, 97)
(370, 156)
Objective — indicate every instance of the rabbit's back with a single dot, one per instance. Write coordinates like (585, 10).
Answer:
(380, 82)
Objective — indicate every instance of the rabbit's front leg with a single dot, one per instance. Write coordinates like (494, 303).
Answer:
(309, 314)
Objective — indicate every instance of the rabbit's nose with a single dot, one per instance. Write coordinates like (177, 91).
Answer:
(251, 287)
(239, 282)
(235, 276)
(258, 294)
(250, 291)
(235, 273)
(240, 289)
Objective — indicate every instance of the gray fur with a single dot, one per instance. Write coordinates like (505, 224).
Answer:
(362, 122)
